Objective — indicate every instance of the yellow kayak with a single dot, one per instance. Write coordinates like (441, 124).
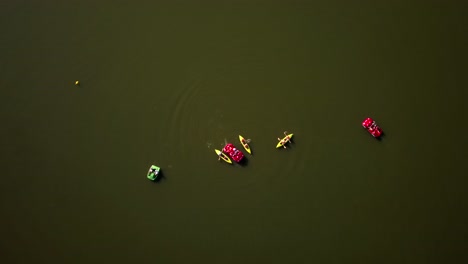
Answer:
(245, 144)
(283, 141)
(223, 156)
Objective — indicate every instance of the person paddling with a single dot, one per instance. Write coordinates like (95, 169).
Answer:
(282, 142)
(285, 140)
(288, 138)
(152, 170)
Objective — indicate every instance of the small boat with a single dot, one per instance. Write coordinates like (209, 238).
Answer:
(153, 172)
(371, 126)
(285, 140)
(223, 156)
(233, 152)
(245, 144)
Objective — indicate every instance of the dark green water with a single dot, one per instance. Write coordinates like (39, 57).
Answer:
(167, 82)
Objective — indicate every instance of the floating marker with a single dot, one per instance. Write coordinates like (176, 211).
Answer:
(77, 82)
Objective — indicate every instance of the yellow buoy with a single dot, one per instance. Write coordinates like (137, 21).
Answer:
(77, 82)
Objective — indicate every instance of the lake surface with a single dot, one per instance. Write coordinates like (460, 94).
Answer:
(167, 82)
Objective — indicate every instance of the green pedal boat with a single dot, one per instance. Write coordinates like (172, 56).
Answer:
(153, 172)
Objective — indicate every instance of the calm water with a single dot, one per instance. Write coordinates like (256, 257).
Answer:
(167, 82)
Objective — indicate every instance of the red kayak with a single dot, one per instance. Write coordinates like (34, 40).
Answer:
(371, 126)
(233, 152)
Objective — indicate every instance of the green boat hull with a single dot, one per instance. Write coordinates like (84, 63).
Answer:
(153, 172)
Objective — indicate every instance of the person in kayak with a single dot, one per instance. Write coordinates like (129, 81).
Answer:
(285, 140)
(245, 141)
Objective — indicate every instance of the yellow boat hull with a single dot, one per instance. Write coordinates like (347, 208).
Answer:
(223, 156)
(283, 141)
(244, 144)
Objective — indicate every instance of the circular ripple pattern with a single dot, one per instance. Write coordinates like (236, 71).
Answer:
(194, 120)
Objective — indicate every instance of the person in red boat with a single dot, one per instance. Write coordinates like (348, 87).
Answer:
(371, 126)
(375, 130)
(367, 122)
(233, 152)
(228, 148)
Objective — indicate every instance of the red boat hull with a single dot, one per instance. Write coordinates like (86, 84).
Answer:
(233, 152)
(371, 126)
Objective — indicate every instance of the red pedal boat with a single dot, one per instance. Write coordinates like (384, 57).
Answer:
(233, 152)
(371, 126)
